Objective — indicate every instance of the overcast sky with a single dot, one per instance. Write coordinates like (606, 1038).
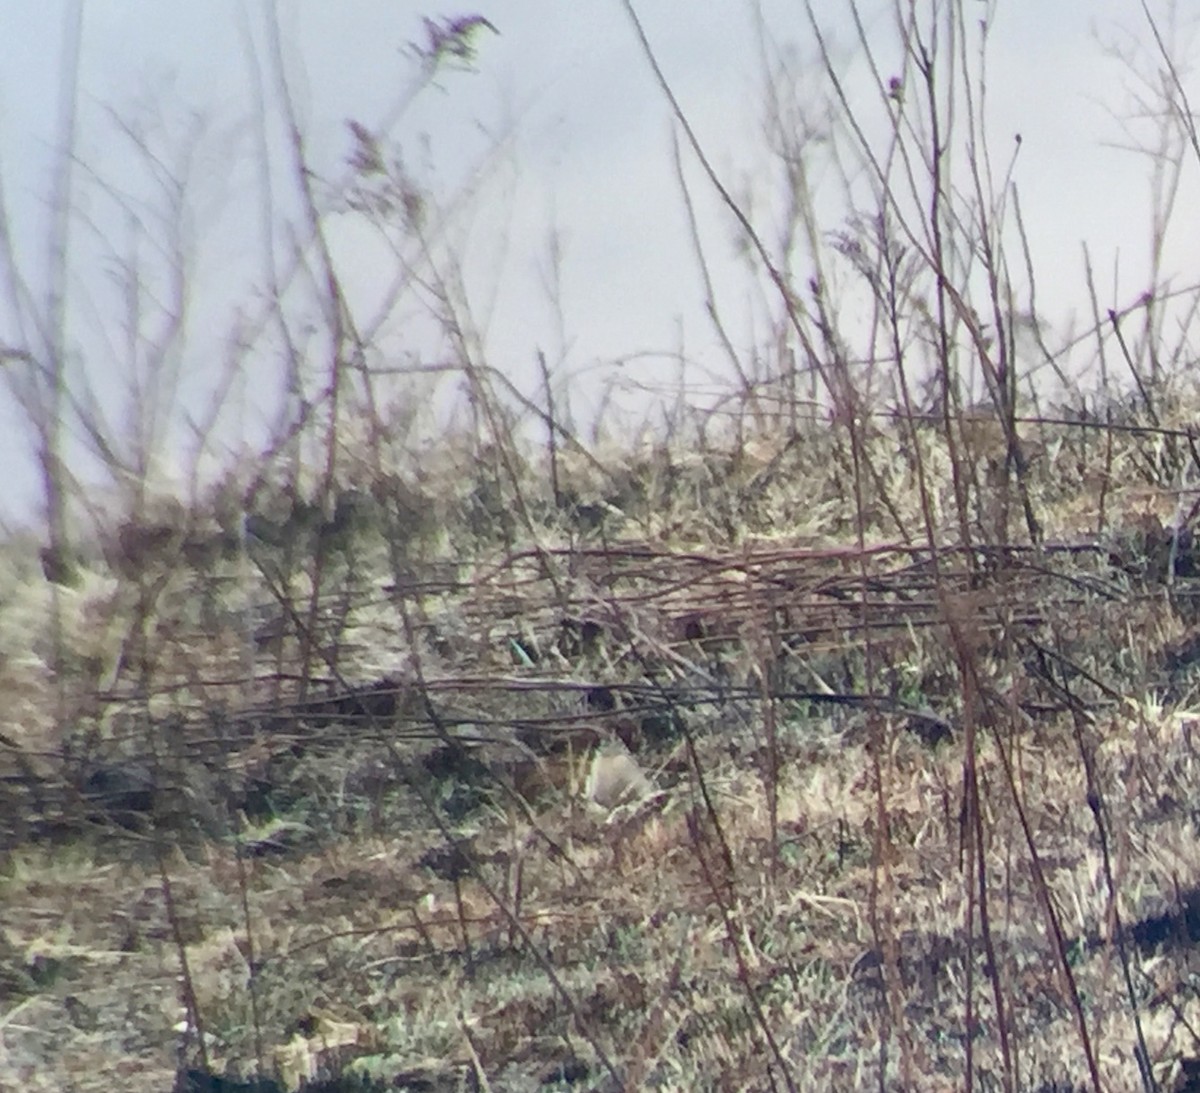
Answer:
(587, 159)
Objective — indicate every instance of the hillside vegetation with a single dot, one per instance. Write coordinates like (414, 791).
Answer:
(833, 729)
(672, 780)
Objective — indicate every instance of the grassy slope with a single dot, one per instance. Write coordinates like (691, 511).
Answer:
(442, 878)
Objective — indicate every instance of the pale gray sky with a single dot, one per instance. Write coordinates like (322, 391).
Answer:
(589, 156)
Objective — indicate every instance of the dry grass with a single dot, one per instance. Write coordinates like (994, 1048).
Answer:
(836, 735)
(432, 880)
